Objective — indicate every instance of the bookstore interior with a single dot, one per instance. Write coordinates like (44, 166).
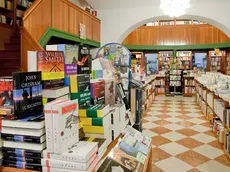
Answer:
(157, 101)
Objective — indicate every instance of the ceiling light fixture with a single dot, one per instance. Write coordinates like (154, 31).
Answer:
(174, 8)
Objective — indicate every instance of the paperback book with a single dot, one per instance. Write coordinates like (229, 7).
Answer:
(96, 121)
(21, 152)
(110, 92)
(27, 94)
(6, 92)
(85, 60)
(22, 165)
(24, 145)
(22, 159)
(97, 88)
(51, 63)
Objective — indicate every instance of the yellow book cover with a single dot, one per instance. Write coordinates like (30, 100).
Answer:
(9, 5)
(86, 121)
(93, 129)
(51, 63)
(82, 113)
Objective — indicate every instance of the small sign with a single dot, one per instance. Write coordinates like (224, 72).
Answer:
(94, 13)
(217, 51)
(82, 31)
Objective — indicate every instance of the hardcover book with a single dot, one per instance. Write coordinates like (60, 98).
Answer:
(51, 63)
(55, 92)
(22, 159)
(68, 164)
(23, 145)
(85, 60)
(80, 152)
(23, 131)
(97, 88)
(65, 125)
(96, 111)
(27, 94)
(6, 91)
(109, 92)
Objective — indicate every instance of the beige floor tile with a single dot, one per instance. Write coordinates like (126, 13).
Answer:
(209, 151)
(213, 166)
(174, 136)
(173, 148)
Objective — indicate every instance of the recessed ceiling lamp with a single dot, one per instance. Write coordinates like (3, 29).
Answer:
(175, 8)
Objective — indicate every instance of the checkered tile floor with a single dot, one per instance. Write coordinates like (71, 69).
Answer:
(182, 138)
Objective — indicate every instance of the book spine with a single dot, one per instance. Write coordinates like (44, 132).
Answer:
(22, 165)
(28, 139)
(23, 159)
(92, 121)
(94, 129)
(21, 152)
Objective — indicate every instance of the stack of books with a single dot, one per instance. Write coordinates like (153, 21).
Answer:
(82, 156)
(23, 142)
(96, 122)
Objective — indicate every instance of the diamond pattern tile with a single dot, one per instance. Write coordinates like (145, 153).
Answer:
(182, 138)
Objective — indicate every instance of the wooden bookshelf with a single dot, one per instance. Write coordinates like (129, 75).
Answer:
(227, 62)
(184, 59)
(164, 59)
(189, 86)
(216, 62)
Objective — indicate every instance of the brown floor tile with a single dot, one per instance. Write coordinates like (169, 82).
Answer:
(192, 158)
(189, 143)
(216, 144)
(145, 121)
(184, 117)
(206, 124)
(159, 140)
(158, 155)
(210, 133)
(162, 122)
(187, 132)
(223, 159)
(163, 116)
(184, 112)
(202, 117)
(164, 111)
(185, 123)
(160, 130)
(156, 169)
(194, 170)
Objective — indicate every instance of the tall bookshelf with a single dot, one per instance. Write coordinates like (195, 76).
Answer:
(136, 64)
(227, 63)
(165, 59)
(216, 62)
(184, 59)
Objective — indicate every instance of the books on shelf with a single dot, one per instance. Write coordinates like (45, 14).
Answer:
(27, 94)
(51, 63)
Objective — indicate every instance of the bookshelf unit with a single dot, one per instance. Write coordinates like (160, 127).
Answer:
(189, 86)
(165, 59)
(216, 62)
(160, 85)
(137, 62)
(184, 59)
(227, 63)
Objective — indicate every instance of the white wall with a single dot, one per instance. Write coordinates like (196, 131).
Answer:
(117, 23)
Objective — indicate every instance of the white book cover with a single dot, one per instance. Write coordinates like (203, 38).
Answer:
(65, 125)
(90, 169)
(67, 164)
(24, 145)
(49, 124)
(55, 92)
(23, 131)
(80, 152)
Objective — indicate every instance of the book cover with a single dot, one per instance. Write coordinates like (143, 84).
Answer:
(6, 91)
(126, 160)
(84, 60)
(109, 92)
(71, 59)
(80, 88)
(22, 165)
(21, 138)
(51, 63)
(97, 88)
(65, 125)
(80, 152)
(24, 145)
(21, 152)
(109, 165)
(27, 94)
(96, 121)
(100, 141)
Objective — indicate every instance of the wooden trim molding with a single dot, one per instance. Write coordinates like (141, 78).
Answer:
(52, 32)
(178, 47)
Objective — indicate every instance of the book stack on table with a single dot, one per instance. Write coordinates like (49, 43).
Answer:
(96, 122)
(23, 142)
